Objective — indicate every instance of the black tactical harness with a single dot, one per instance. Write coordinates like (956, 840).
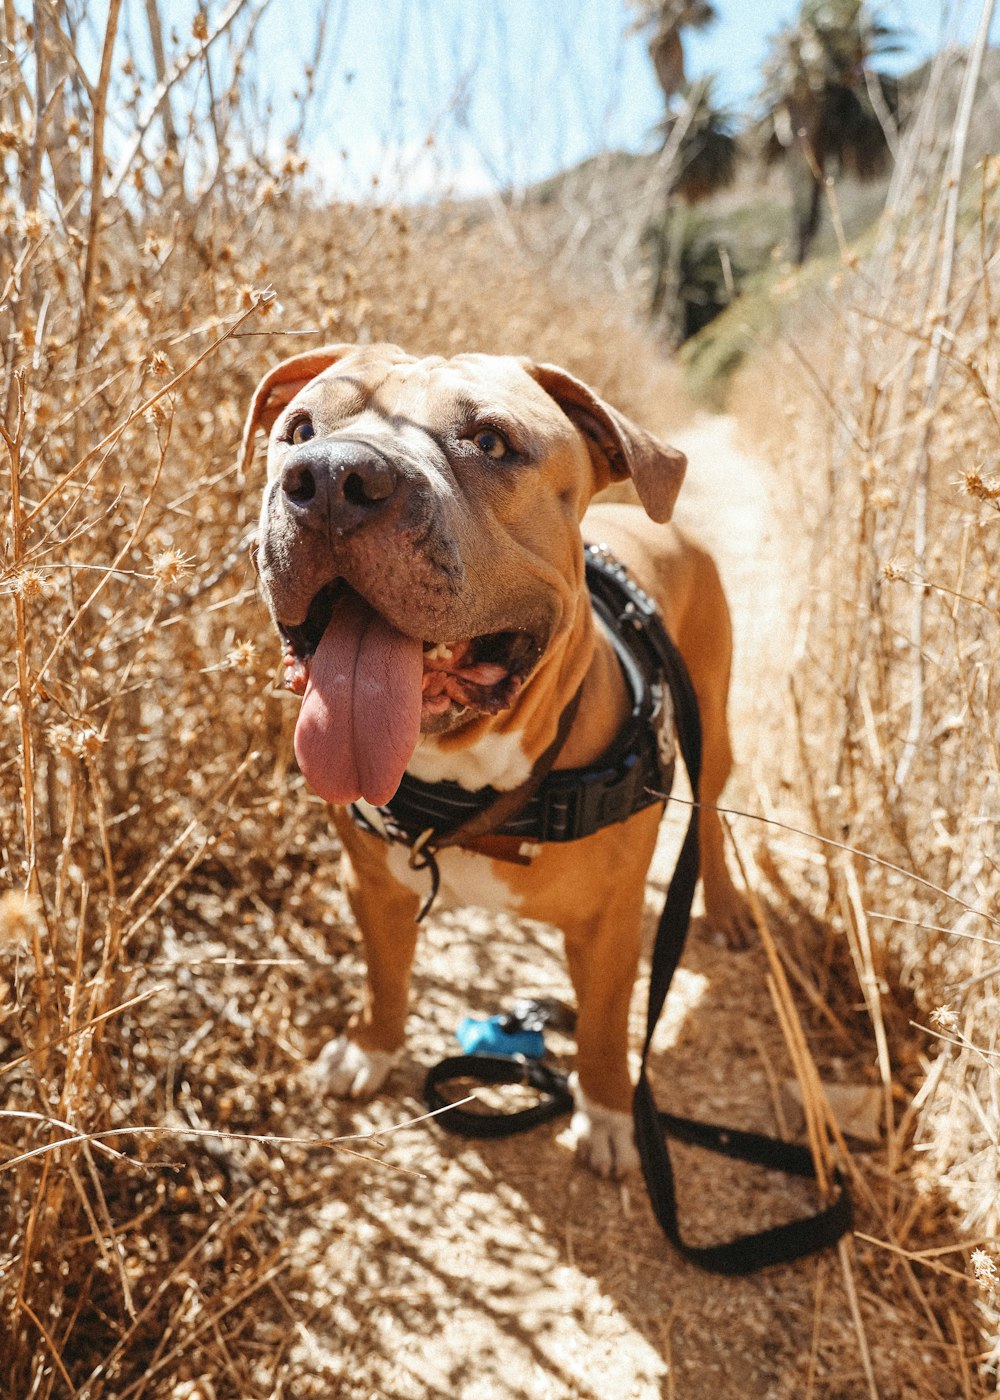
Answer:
(636, 772)
(566, 804)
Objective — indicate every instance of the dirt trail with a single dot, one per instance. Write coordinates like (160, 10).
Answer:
(479, 1271)
(734, 503)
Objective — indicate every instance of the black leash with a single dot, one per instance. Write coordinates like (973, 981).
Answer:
(744, 1253)
(780, 1243)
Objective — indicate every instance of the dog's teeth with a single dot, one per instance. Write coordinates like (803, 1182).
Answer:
(441, 652)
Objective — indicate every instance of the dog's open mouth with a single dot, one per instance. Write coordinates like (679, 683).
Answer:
(479, 673)
(368, 690)
(483, 674)
(301, 641)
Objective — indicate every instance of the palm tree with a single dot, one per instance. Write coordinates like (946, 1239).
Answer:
(704, 161)
(706, 144)
(667, 18)
(698, 141)
(826, 108)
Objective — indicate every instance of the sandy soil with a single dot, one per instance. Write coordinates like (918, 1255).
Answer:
(437, 1267)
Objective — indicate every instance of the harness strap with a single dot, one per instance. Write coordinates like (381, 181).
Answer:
(564, 804)
(494, 816)
(468, 833)
(476, 832)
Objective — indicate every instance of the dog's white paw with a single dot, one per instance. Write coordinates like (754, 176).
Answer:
(348, 1071)
(603, 1137)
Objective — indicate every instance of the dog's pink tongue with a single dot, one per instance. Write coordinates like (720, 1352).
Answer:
(360, 716)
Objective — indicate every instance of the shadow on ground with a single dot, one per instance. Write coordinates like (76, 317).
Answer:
(460, 1268)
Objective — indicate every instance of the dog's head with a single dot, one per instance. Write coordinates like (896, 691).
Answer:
(419, 543)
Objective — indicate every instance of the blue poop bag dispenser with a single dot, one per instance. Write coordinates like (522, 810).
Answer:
(514, 1032)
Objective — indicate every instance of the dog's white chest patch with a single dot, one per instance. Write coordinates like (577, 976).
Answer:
(496, 761)
(466, 879)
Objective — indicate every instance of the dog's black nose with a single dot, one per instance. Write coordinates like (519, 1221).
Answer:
(336, 486)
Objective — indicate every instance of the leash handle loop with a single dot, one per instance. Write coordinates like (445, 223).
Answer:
(498, 1069)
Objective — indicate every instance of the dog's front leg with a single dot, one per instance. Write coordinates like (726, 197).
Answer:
(603, 956)
(355, 1065)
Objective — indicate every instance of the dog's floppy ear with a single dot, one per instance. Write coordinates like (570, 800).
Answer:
(278, 387)
(620, 448)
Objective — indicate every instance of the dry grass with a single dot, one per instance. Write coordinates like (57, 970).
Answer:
(888, 429)
(143, 789)
(167, 957)
(159, 923)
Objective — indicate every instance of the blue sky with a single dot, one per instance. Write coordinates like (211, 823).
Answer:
(736, 44)
(472, 95)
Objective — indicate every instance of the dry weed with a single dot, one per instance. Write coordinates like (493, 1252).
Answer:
(158, 921)
(889, 429)
(164, 947)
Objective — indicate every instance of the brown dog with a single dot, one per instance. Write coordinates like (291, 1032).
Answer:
(421, 551)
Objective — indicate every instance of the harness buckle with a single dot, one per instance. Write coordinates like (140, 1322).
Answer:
(593, 801)
(613, 800)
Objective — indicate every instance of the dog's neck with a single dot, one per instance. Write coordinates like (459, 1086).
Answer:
(499, 751)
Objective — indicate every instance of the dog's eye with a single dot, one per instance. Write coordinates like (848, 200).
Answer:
(300, 430)
(492, 444)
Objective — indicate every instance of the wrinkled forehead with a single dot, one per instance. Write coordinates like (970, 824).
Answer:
(437, 392)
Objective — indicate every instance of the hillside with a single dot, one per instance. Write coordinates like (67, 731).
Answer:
(596, 219)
